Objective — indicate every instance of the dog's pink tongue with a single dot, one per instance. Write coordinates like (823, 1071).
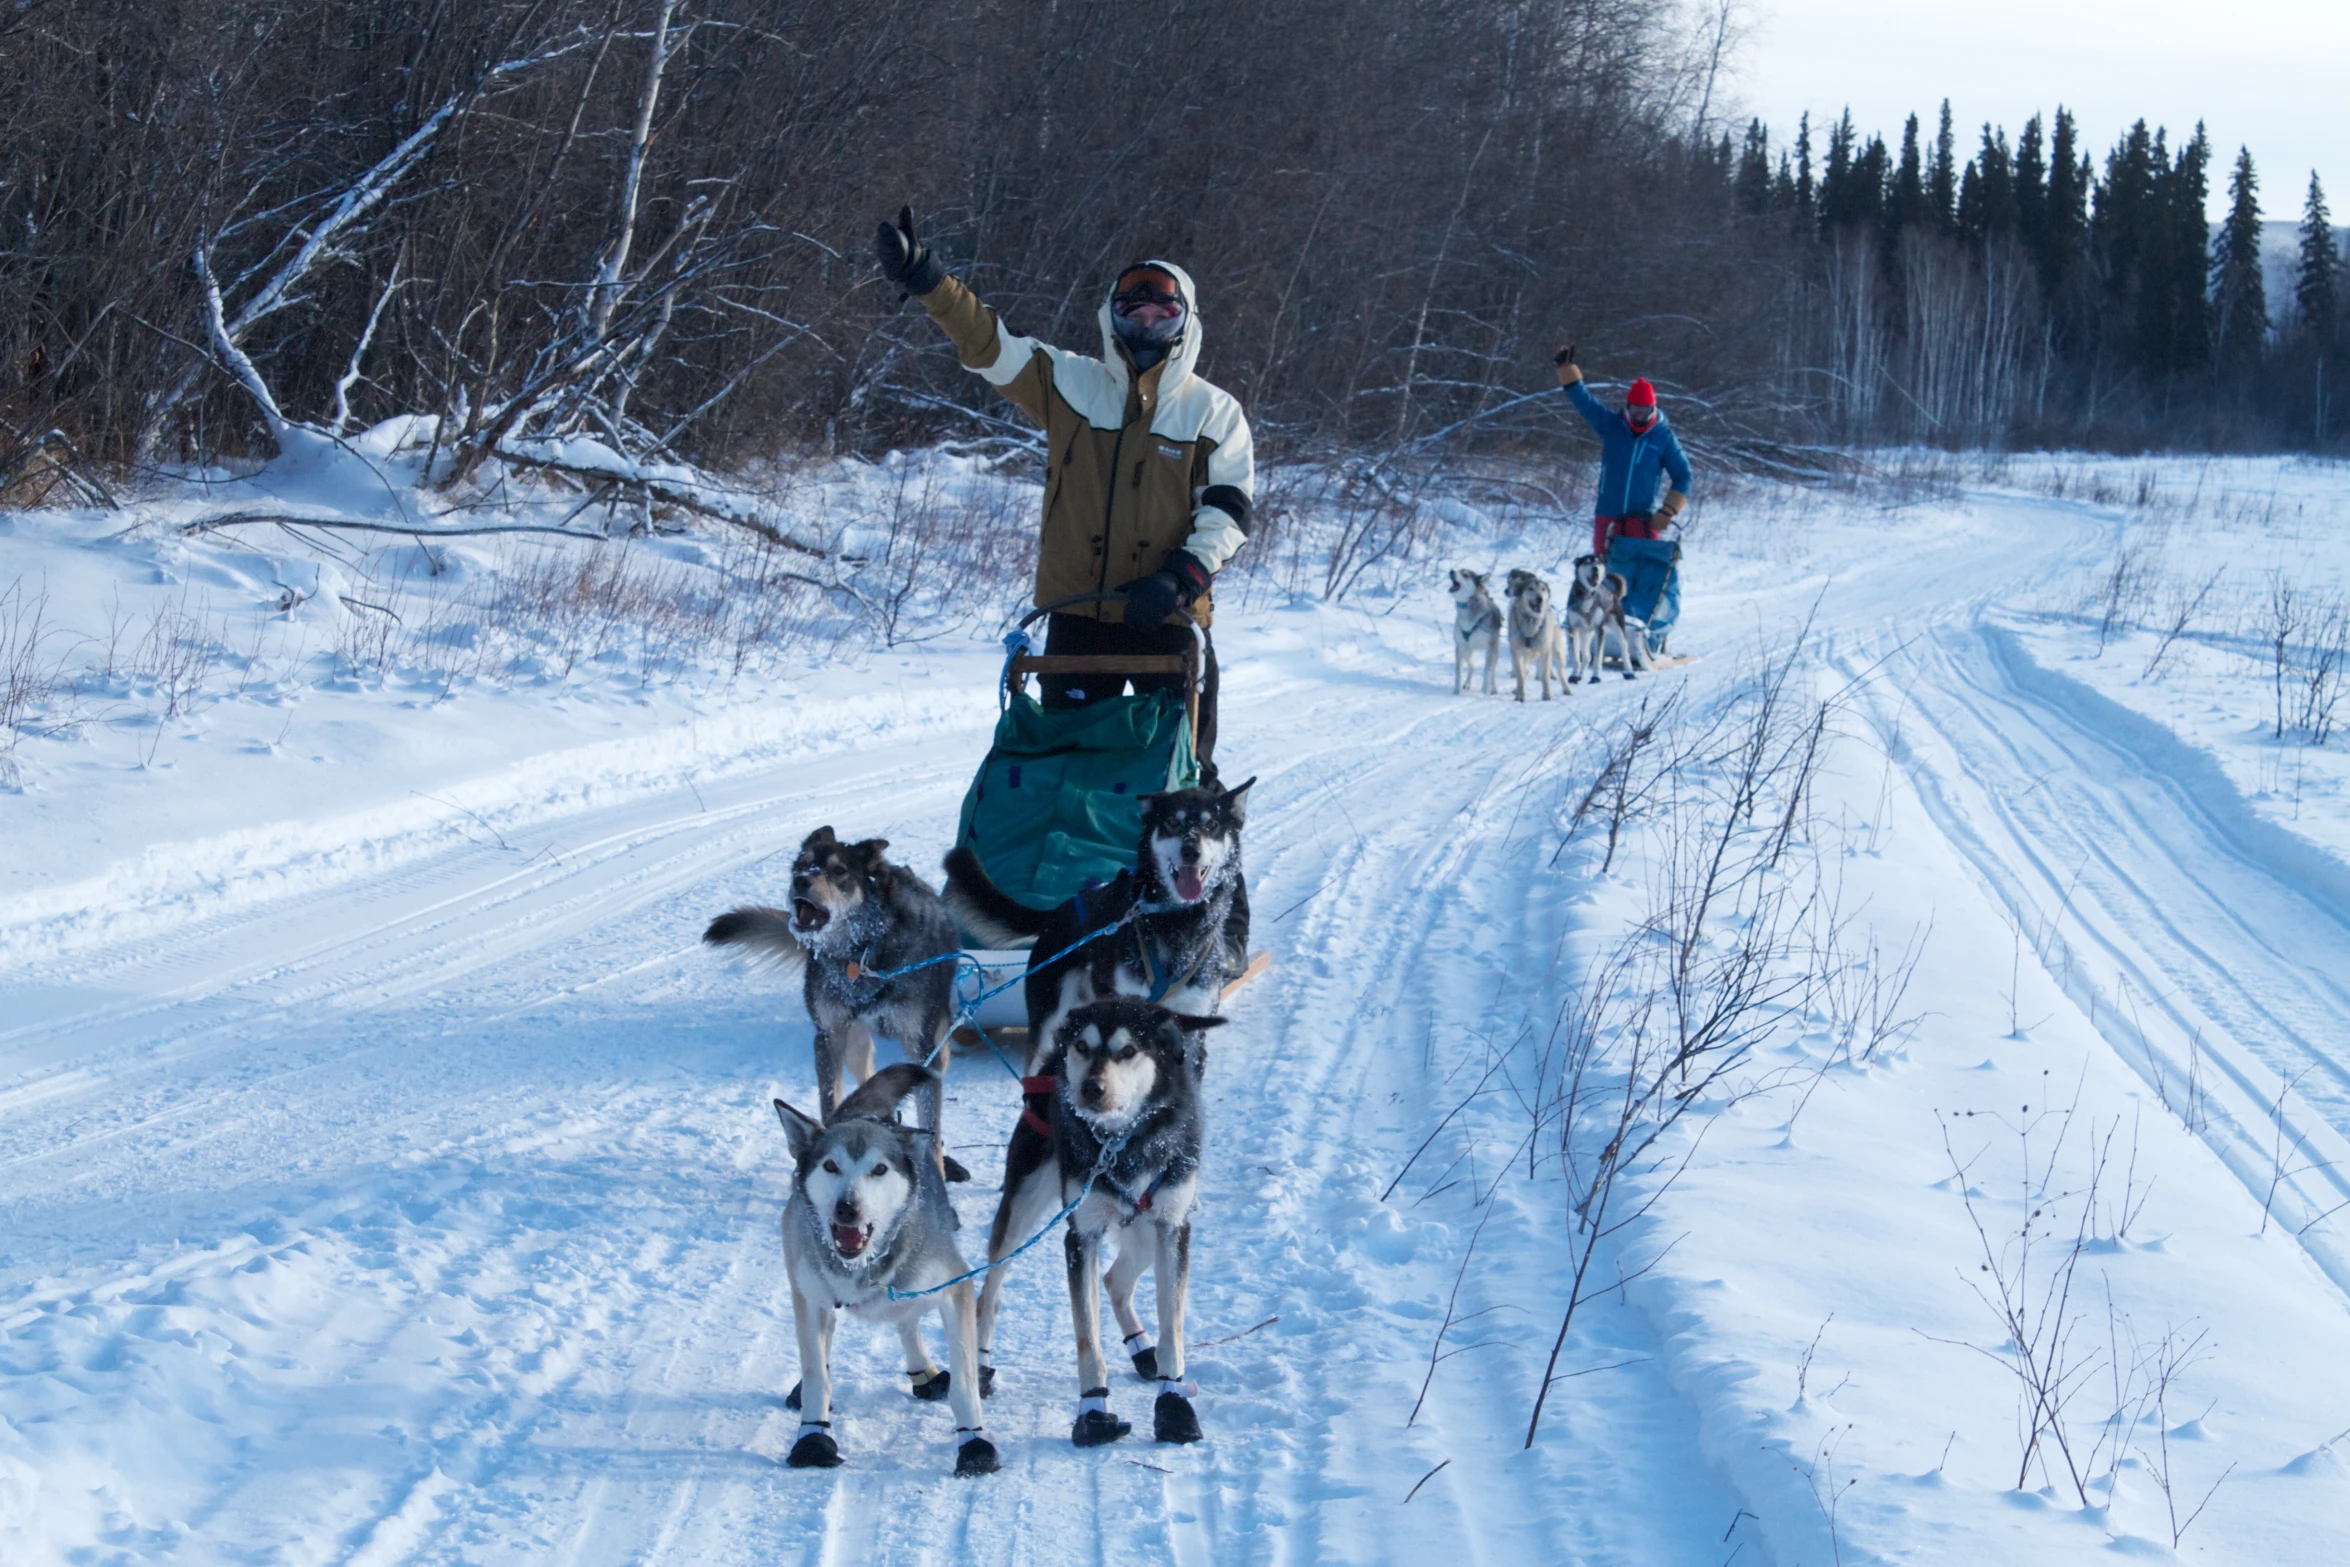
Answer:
(847, 1239)
(1188, 885)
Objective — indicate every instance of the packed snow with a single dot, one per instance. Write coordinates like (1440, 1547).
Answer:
(390, 1174)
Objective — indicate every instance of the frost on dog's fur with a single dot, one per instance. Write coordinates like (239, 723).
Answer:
(869, 1215)
(854, 914)
(1123, 1143)
(1184, 906)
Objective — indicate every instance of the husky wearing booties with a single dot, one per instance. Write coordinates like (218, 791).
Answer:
(869, 1214)
(1123, 1143)
(854, 914)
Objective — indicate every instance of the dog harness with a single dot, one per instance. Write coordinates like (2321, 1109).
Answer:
(1162, 984)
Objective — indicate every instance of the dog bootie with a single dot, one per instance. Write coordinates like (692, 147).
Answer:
(977, 1456)
(815, 1449)
(955, 1170)
(1096, 1426)
(1174, 1420)
(791, 1400)
(1146, 1356)
(931, 1386)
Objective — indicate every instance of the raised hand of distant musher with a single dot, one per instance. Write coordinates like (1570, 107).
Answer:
(1569, 371)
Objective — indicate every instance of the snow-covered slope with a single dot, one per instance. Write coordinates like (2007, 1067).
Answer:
(388, 1173)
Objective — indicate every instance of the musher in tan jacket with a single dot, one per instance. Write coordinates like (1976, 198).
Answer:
(1149, 471)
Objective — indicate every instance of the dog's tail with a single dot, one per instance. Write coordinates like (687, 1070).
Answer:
(764, 933)
(876, 1099)
(986, 911)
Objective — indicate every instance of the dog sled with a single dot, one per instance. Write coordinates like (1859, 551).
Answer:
(1056, 806)
(1651, 571)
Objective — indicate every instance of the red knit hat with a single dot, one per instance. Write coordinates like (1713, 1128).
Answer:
(1642, 395)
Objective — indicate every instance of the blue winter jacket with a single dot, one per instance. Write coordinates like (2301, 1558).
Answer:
(1628, 463)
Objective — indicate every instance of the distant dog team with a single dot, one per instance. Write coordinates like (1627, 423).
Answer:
(1594, 609)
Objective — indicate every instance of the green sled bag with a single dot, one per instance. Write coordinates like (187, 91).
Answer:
(1057, 803)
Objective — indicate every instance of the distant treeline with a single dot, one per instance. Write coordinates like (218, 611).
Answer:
(649, 221)
(2025, 294)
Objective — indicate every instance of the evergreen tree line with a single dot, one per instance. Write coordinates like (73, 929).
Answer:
(649, 221)
(2019, 291)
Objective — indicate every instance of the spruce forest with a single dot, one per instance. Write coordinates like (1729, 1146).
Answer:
(650, 219)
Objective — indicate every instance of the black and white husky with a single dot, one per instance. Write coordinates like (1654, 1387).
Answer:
(868, 1214)
(1177, 921)
(1476, 623)
(854, 915)
(1595, 607)
(1535, 638)
(1122, 1126)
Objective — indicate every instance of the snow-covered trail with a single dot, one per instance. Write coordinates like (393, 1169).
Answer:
(430, 1215)
(484, 1147)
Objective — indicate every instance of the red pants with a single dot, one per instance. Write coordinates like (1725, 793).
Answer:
(1640, 525)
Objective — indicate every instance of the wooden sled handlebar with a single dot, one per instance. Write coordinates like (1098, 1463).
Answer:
(1187, 663)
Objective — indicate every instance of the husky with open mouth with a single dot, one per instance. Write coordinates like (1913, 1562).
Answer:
(869, 1215)
(1178, 918)
(853, 916)
(1122, 1126)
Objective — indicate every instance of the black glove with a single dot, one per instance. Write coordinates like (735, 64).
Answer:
(905, 260)
(1177, 584)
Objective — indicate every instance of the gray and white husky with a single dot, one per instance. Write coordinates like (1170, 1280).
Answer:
(1535, 638)
(1476, 623)
(1177, 921)
(869, 1214)
(1122, 1111)
(1595, 607)
(854, 914)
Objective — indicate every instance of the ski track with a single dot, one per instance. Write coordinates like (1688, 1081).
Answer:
(483, 1145)
(2205, 945)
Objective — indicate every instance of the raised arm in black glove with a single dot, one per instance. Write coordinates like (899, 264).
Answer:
(1175, 585)
(905, 260)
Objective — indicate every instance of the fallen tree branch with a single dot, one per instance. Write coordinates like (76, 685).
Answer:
(676, 487)
(238, 519)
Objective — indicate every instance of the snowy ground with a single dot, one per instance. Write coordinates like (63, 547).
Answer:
(388, 1173)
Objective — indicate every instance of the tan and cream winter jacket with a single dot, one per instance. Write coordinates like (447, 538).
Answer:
(1135, 465)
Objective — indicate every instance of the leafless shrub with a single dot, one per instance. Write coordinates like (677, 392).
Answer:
(176, 655)
(1674, 1010)
(2308, 642)
(2173, 1356)
(1621, 791)
(2029, 1277)
(2121, 589)
(2184, 604)
(941, 553)
(31, 674)
(2026, 1278)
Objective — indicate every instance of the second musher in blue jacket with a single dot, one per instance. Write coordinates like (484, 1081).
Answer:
(1638, 452)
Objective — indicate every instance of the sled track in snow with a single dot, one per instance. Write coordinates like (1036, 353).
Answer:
(2123, 858)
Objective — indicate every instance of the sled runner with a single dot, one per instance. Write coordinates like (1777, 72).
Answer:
(1056, 806)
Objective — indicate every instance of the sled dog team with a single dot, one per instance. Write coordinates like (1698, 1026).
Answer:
(1121, 989)
(1595, 608)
